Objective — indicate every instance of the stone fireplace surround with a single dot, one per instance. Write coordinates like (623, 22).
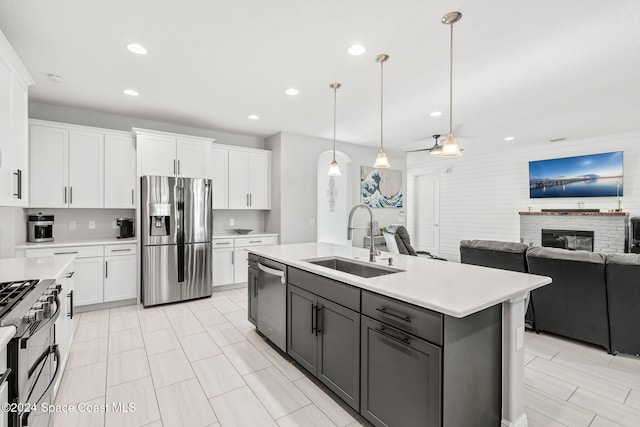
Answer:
(611, 229)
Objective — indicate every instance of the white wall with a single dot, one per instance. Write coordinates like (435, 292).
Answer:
(58, 113)
(332, 219)
(103, 219)
(251, 219)
(13, 230)
(482, 192)
(273, 217)
(297, 180)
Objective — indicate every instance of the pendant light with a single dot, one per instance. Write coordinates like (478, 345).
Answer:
(381, 160)
(436, 150)
(450, 147)
(334, 170)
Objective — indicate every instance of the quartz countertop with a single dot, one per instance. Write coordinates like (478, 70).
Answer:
(451, 288)
(47, 267)
(78, 242)
(232, 235)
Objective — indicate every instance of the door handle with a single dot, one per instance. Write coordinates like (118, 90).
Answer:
(273, 272)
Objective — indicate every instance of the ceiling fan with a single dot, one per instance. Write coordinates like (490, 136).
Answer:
(436, 149)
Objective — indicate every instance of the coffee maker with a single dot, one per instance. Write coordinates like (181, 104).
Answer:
(40, 228)
(126, 228)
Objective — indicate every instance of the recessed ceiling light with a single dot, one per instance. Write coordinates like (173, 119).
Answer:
(131, 92)
(254, 117)
(137, 48)
(291, 91)
(356, 49)
(436, 114)
(54, 78)
(509, 138)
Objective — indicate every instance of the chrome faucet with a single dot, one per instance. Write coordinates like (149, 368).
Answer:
(350, 228)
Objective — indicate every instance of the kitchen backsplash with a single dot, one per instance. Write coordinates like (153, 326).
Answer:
(241, 219)
(74, 224)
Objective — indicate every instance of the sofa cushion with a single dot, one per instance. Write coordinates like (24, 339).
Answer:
(494, 245)
(567, 255)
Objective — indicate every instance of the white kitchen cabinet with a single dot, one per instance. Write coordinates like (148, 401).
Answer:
(220, 176)
(14, 161)
(67, 166)
(222, 262)
(86, 169)
(249, 179)
(119, 171)
(119, 277)
(48, 166)
(241, 265)
(88, 281)
(64, 326)
(167, 154)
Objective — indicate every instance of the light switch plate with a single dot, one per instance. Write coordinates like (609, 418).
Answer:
(92, 225)
(72, 225)
(312, 221)
(232, 221)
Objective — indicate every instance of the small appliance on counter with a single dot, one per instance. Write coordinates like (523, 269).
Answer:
(126, 228)
(40, 228)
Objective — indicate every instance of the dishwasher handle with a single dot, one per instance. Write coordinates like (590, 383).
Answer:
(273, 272)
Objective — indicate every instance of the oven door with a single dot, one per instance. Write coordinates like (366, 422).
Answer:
(44, 374)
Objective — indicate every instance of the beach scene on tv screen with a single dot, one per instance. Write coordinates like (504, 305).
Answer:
(594, 175)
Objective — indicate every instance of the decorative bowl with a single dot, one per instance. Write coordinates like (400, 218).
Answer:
(242, 230)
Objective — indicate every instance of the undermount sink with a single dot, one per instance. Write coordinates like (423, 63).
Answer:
(358, 268)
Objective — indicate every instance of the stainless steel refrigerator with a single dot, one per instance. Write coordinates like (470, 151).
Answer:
(176, 239)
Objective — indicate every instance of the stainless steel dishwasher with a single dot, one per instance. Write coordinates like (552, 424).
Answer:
(272, 301)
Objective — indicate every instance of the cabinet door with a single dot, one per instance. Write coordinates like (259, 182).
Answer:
(339, 351)
(252, 290)
(119, 172)
(222, 266)
(302, 340)
(240, 265)
(192, 156)
(157, 155)
(220, 176)
(400, 377)
(48, 167)
(238, 180)
(14, 150)
(6, 133)
(119, 277)
(86, 169)
(259, 180)
(88, 281)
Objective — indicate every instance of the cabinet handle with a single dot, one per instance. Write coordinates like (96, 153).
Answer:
(66, 253)
(174, 167)
(383, 331)
(65, 195)
(255, 286)
(178, 167)
(318, 320)
(222, 243)
(401, 316)
(70, 275)
(70, 296)
(70, 195)
(120, 250)
(247, 199)
(313, 318)
(233, 258)
(250, 199)
(255, 241)
(18, 192)
(106, 269)
(132, 201)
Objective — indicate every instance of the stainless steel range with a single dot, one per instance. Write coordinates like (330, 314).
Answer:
(31, 306)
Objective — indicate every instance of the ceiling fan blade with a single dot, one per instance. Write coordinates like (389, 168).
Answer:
(422, 149)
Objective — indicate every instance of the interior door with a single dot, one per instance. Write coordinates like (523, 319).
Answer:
(427, 213)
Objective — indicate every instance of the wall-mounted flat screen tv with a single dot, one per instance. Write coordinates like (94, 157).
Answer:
(593, 175)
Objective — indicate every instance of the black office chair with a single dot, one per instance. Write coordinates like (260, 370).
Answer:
(398, 242)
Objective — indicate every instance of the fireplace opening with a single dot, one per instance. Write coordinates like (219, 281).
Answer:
(575, 240)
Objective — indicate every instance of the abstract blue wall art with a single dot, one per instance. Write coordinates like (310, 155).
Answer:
(381, 188)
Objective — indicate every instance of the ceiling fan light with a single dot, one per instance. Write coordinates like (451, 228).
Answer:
(436, 150)
(382, 162)
(334, 169)
(450, 147)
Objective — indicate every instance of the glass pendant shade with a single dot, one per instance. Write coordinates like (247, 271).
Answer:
(334, 169)
(450, 147)
(382, 162)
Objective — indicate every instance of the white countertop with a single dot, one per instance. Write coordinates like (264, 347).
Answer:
(47, 267)
(233, 235)
(83, 242)
(451, 288)
(6, 333)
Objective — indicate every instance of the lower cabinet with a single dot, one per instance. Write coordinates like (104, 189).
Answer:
(400, 377)
(64, 326)
(119, 277)
(324, 337)
(230, 258)
(89, 273)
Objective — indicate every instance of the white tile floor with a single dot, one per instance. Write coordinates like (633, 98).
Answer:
(201, 363)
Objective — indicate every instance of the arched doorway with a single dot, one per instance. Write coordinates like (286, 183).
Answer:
(334, 199)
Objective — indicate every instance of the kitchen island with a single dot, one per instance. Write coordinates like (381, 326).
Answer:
(443, 321)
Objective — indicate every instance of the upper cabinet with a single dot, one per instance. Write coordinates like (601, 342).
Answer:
(81, 167)
(249, 179)
(167, 154)
(219, 174)
(14, 146)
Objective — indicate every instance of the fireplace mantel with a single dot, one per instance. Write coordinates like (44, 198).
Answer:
(576, 213)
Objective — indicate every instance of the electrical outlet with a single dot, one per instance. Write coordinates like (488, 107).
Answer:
(92, 225)
(312, 222)
(72, 225)
(232, 221)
